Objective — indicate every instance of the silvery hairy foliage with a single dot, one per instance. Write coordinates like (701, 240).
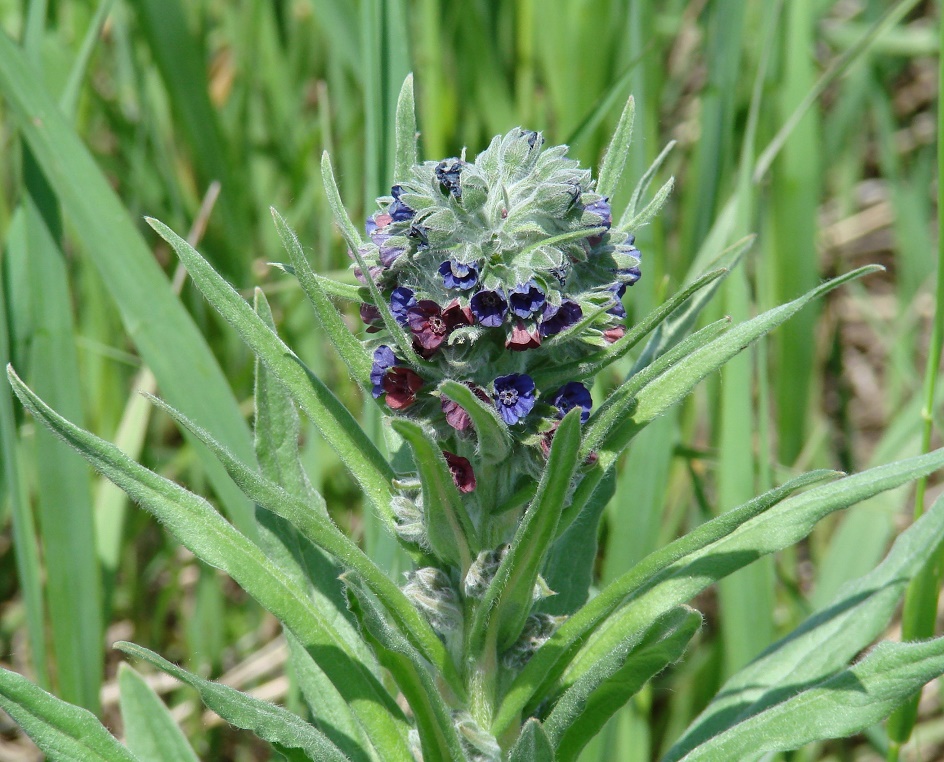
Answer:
(491, 291)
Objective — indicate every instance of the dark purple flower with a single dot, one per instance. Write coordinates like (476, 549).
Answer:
(489, 307)
(630, 275)
(371, 316)
(526, 299)
(533, 138)
(458, 276)
(427, 323)
(401, 386)
(556, 318)
(521, 338)
(514, 396)
(420, 233)
(456, 415)
(384, 359)
(618, 290)
(447, 172)
(399, 211)
(601, 209)
(571, 395)
(461, 470)
(389, 254)
(401, 300)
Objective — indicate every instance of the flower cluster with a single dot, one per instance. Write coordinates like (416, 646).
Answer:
(495, 270)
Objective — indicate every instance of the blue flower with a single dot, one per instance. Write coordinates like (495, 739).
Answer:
(384, 360)
(398, 210)
(489, 307)
(401, 300)
(617, 289)
(533, 138)
(630, 275)
(458, 276)
(558, 318)
(514, 396)
(526, 299)
(601, 208)
(447, 172)
(390, 254)
(570, 396)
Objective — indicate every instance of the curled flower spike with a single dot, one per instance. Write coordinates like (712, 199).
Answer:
(489, 307)
(571, 395)
(514, 396)
(461, 471)
(457, 276)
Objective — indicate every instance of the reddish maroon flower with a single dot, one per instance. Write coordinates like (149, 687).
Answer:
(431, 325)
(401, 386)
(461, 472)
(521, 338)
(371, 316)
(456, 415)
(614, 334)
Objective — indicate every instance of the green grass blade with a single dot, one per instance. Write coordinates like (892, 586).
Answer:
(450, 532)
(70, 93)
(339, 427)
(59, 729)
(150, 731)
(614, 677)
(267, 721)
(210, 537)
(163, 333)
(841, 706)
(828, 640)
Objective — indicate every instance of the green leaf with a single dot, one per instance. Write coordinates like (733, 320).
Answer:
(433, 719)
(353, 239)
(781, 526)
(339, 427)
(269, 722)
(826, 641)
(494, 441)
(150, 731)
(609, 683)
(61, 731)
(406, 132)
(614, 161)
(448, 527)
(642, 186)
(318, 528)
(615, 432)
(550, 660)
(349, 348)
(652, 208)
(510, 596)
(532, 745)
(210, 537)
(841, 706)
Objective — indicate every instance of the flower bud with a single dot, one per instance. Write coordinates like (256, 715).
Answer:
(430, 590)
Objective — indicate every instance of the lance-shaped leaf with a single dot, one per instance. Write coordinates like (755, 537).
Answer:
(623, 421)
(510, 595)
(623, 400)
(405, 152)
(825, 642)
(841, 706)
(532, 745)
(333, 325)
(339, 427)
(585, 707)
(195, 524)
(449, 529)
(617, 152)
(551, 659)
(353, 239)
(493, 437)
(782, 526)
(433, 719)
(62, 731)
(642, 186)
(269, 722)
(651, 209)
(318, 528)
(150, 731)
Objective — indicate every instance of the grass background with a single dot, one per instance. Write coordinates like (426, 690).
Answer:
(115, 109)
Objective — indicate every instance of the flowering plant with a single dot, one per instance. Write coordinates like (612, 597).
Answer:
(491, 291)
